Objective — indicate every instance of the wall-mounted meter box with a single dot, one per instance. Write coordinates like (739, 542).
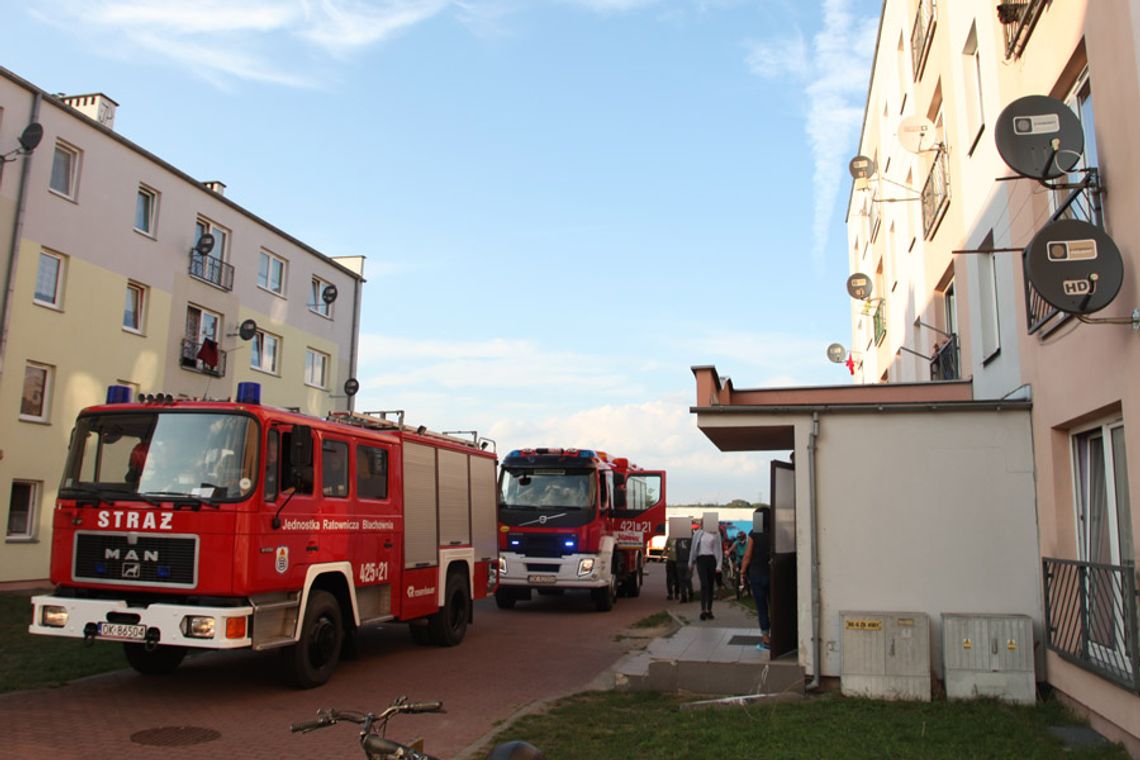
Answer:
(885, 655)
(989, 656)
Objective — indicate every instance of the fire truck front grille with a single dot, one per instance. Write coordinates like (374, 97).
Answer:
(545, 545)
(136, 559)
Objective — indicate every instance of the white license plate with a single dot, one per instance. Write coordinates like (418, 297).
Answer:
(541, 578)
(122, 631)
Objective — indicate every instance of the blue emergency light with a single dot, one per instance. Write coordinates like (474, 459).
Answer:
(118, 394)
(249, 393)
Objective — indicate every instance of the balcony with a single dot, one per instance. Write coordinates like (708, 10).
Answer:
(1091, 618)
(880, 322)
(935, 195)
(921, 35)
(191, 347)
(1018, 18)
(944, 363)
(212, 270)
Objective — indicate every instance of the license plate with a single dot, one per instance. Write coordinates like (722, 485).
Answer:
(122, 631)
(541, 578)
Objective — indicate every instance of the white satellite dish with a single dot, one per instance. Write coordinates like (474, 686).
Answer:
(916, 134)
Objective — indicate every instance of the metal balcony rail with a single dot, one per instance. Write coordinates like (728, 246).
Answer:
(944, 364)
(880, 322)
(191, 347)
(1091, 618)
(1018, 18)
(935, 194)
(212, 270)
(921, 34)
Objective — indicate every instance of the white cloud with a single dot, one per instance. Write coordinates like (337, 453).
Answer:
(341, 26)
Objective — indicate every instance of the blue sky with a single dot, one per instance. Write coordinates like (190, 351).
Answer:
(564, 204)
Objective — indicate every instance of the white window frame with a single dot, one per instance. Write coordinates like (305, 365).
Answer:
(60, 274)
(272, 258)
(75, 155)
(151, 195)
(140, 307)
(265, 346)
(311, 357)
(972, 82)
(988, 306)
(35, 489)
(1090, 156)
(317, 304)
(44, 414)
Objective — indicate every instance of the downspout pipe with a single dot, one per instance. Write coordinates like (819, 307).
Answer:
(353, 352)
(817, 644)
(17, 229)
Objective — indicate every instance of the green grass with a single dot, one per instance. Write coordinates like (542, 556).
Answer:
(622, 725)
(28, 661)
(655, 620)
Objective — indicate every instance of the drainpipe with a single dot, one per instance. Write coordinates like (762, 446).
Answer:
(14, 245)
(817, 655)
(355, 333)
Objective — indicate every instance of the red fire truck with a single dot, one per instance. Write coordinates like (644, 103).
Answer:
(575, 519)
(216, 525)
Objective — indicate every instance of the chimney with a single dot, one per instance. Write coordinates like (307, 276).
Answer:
(216, 186)
(95, 106)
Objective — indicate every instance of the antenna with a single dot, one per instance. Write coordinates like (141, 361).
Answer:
(1074, 266)
(916, 134)
(836, 353)
(1039, 137)
(859, 286)
(204, 245)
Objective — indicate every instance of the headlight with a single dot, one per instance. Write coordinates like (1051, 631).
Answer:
(53, 616)
(502, 566)
(586, 566)
(197, 627)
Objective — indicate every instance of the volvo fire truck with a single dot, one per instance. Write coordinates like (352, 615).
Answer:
(575, 519)
(194, 525)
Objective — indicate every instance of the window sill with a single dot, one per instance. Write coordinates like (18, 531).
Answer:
(147, 235)
(976, 140)
(21, 540)
(265, 372)
(319, 314)
(58, 194)
(130, 331)
(50, 306)
(272, 292)
(993, 355)
(316, 387)
(35, 420)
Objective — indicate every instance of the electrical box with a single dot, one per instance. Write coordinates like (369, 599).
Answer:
(885, 655)
(989, 656)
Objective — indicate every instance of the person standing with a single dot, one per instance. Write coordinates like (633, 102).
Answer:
(706, 555)
(756, 568)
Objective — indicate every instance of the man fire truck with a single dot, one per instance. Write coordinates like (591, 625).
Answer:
(575, 519)
(216, 525)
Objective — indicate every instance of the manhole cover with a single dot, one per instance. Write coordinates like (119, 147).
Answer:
(744, 641)
(175, 736)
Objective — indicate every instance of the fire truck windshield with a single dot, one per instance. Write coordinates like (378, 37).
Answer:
(547, 489)
(209, 456)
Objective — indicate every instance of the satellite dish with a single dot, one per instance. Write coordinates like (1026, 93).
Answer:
(247, 330)
(351, 386)
(1074, 266)
(31, 136)
(1039, 137)
(916, 133)
(861, 167)
(859, 286)
(328, 295)
(836, 353)
(205, 244)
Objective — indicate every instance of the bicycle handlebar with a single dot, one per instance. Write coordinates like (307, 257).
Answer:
(422, 707)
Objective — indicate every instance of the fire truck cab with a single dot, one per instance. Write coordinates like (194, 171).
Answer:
(184, 525)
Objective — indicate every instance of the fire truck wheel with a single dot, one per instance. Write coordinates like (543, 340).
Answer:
(636, 580)
(604, 598)
(449, 625)
(158, 662)
(505, 599)
(421, 634)
(315, 656)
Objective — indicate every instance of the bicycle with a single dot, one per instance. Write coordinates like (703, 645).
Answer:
(373, 728)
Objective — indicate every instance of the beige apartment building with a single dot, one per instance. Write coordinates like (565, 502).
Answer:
(111, 278)
(952, 330)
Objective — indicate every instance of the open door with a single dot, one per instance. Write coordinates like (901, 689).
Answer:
(782, 538)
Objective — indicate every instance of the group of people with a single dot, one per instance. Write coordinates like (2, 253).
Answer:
(706, 553)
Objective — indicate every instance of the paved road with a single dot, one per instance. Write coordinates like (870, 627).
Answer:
(510, 659)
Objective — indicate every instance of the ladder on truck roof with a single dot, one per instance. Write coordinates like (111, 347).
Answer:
(379, 420)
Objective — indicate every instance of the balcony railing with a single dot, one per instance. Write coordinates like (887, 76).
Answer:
(191, 347)
(212, 270)
(935, 194)
(880, 322)
(1018, 17)
(921, 34)
(1091, 618)
(944, 364)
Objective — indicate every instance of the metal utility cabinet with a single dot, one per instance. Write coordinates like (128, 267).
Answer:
(989, 656)
(885, 655)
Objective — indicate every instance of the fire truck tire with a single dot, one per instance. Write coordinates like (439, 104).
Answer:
(505, 599)
(604, 598)
(312, 660)
(421, 634)
(160, 661)
(448, 626)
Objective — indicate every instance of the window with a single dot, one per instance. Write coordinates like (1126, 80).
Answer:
(987, 299)
(1080, 101)
(1100, 478)
(23, 509)
(49, 280)
(34, 404)
(334, 468)
(200, 346)
(272, 464)
(972, 82)
(317, 298)
(265, 348)
(316, 368)
(371, 473)
(133, 307)
(146, 208)
(211, 266)
(65, 170)
(271, 273)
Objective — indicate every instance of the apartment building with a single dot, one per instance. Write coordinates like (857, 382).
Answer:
(122, 269)
(952, 298)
